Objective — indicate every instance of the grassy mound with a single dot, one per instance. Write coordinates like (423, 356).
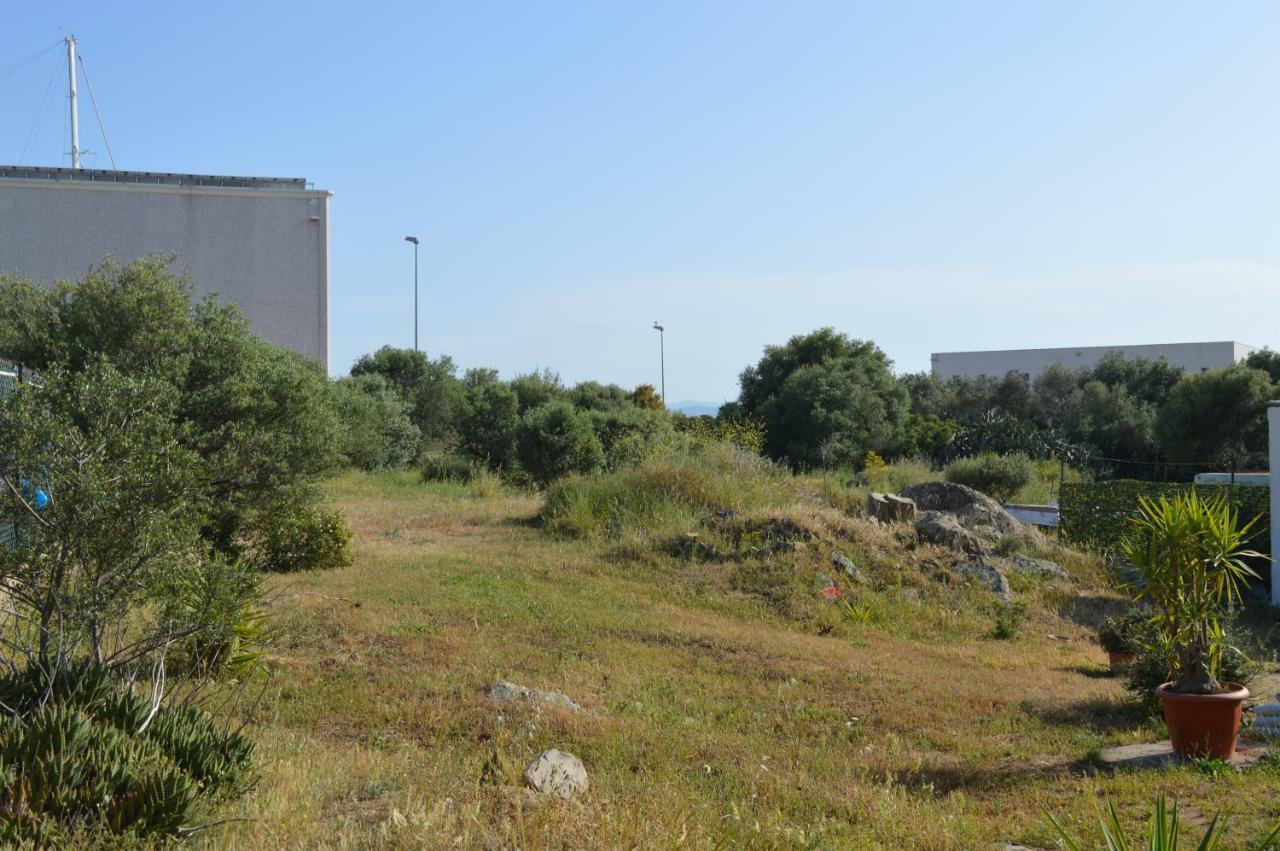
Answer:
(726, 522)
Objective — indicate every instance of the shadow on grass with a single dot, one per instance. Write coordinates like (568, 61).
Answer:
(1090, 610)
(943, 780)
(1099, 715)
(1093, 672)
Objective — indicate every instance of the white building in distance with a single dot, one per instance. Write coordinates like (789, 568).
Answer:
(1192, 357)
(261, 243)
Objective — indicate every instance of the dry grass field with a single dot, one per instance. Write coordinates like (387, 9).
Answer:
(712, 717)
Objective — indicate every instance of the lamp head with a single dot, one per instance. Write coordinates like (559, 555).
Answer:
(658, 327)
(412, 239)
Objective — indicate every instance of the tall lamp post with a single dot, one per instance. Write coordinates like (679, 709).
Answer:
(662, 359)
(414, 240)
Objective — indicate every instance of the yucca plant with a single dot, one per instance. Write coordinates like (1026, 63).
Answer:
(1164, 831)
(1191, 557)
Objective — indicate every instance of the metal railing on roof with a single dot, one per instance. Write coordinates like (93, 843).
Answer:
(151, 178)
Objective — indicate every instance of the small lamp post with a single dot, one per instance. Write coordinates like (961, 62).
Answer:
(662, 360)
(414, 240)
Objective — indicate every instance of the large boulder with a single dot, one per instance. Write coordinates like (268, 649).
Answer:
(505, 692)
(975, 510)
(556, 772)
(945, 530)
(889, 508)
(987, 575)
(845, 564)
(1040, 567)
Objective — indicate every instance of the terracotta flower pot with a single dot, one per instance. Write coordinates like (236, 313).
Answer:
(1120, 660)
(1203, 724)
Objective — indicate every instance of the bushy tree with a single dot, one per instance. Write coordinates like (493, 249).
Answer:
(376, 432)
(1109, 420)
(629, 434)
(487, 418)
(1054, 388)
(646, 396)
(537, 388)
(104, 507)
(594, 396)
(260, 417)
(1217, 417)
(430, 388)
(825, 398)
(1267, 361)
(556, 439)
(1144, 379)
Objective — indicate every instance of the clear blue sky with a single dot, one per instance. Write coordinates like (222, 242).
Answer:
(931, 176)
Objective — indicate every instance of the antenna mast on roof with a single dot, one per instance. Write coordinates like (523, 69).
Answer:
(75, 111)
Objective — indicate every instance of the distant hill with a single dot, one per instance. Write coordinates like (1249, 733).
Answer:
(696, 409)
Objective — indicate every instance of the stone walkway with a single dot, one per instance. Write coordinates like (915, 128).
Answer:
(1160, 755)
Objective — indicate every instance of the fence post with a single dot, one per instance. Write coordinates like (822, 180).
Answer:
(1273, 422)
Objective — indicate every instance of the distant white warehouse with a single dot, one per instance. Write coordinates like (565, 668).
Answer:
(1192, 357)
(259, 242)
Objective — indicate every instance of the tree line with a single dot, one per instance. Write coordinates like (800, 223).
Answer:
(827, 399)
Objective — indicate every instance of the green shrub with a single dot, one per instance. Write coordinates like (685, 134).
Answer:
(302, 536)
(628, 434)
(81, 755)
(739, 429)
(450, 468)
(487, 418)
(554, 440)
(665, 495)
(1008, 621)
(213, 606)
(376, 432)
(1128, 633)
(998, 476)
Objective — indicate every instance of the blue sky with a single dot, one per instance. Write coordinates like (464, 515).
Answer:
(932, 176)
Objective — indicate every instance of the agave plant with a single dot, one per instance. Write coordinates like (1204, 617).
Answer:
(1163, 832)
(1191, 557)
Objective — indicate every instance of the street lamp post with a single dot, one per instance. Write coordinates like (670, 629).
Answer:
(414, 240)
(662, 359)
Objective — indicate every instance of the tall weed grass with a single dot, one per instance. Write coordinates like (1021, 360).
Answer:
(665, 494)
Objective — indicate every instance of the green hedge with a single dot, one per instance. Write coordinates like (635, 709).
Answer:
(1096, 515)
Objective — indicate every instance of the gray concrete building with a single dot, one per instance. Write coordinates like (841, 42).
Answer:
(261, 243)
(1192, 357)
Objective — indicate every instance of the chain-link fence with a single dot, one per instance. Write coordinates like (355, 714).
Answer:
(11, 375)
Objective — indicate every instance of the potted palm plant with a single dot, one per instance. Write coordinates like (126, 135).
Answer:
(1191, 559)
(1121, 638)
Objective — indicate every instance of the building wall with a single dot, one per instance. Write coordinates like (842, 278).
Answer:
(266, 250)
(1193, 357)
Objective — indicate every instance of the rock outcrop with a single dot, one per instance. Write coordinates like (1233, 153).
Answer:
(504, 692)
(975, 510)
(557, 772)
(890, 508)
(945, 530)
(984, 573)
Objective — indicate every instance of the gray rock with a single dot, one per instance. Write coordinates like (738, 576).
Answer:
(889, 508)
(944, 530)
(822, 581)
(844, 563)
(504, 692)
(974, 510)
(1040, 567)
(557, 772)
(988, 575)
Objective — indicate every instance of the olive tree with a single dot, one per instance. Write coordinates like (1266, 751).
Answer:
(825, 399)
